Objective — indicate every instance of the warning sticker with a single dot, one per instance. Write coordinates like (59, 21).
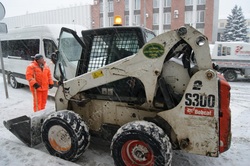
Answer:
(199, 111)
(97, 74)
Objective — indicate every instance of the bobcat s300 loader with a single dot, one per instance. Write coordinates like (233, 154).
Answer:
(146, 94)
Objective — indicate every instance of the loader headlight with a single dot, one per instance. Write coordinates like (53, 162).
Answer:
(182, 31)
(200, 41)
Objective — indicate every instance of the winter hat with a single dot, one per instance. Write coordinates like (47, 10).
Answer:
(38, 56)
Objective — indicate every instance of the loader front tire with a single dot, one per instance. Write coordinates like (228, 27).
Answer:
(141, 143)
(65, 135)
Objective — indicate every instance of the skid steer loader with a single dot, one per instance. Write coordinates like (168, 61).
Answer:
(146, 94)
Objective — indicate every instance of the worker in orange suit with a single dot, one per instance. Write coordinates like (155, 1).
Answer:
(40, 81)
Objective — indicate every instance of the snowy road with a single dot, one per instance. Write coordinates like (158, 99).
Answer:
(15, 153)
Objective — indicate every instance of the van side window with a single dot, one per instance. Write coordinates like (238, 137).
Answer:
(219, 50)
(49, 47)
(4, 48)
(228, 50)
(224, 51)
(20, 49)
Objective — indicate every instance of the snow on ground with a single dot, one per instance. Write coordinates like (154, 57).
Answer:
(14, 153)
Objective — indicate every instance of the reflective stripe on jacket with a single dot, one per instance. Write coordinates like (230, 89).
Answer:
(34, 74)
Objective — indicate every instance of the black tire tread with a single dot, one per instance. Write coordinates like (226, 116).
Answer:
(78, 127)
(149, 129)
(230, 72)
(17, 84)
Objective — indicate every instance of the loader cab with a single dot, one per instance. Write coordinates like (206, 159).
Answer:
(107, 45)
(97, 48)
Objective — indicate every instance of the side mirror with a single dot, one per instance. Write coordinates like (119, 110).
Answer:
(54, 57)
(216, 67)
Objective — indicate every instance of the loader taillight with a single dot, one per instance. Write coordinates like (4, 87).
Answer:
(225, 115)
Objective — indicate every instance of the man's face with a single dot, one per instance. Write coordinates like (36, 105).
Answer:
(41, 61)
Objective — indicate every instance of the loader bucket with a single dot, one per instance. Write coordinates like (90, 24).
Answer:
(28, 129)
(20, 127)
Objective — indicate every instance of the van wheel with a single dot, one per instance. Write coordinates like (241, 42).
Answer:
(230, 75)
(65, 135)
(13, 83)
(141, 143)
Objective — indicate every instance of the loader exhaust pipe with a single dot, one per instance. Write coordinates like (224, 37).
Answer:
(28, 129)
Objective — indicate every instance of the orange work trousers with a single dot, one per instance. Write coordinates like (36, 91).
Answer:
(39, 99)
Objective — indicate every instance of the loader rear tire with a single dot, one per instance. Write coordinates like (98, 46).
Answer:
(65, 135)
(141, 143)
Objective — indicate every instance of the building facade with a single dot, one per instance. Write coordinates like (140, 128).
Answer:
(159, 15)
(79, 15)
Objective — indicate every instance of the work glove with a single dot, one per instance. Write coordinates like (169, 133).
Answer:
(51, 86)
(36, 85)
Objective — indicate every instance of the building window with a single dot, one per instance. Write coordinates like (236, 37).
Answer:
(101, 21)
(166, 30)
(200, 16)
(137, 4)
(167, 18)
(167, 3)
(155, 19)
(201, 2)
(137, 20)
(156, 4)
(111, 21)
(188, 2)
(188, 17)
(156, 32)
(201, 30)
(222, 25)
(111, 6)
(126, 5)
(126, 20)
(101, 7)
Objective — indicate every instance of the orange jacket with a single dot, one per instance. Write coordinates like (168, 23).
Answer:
(34, 74)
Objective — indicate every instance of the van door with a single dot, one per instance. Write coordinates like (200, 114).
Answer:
(70, 50)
